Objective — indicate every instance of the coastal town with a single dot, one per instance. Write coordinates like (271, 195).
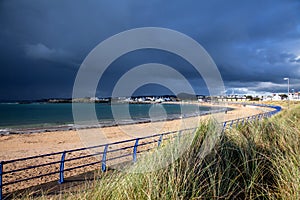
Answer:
(295, 96)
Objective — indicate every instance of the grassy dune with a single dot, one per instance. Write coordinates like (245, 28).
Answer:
(254, 161)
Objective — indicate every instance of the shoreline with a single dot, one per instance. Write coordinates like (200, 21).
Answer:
(42, 128)
(14, 146)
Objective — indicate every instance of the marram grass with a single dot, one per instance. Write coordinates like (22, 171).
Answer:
(259, 160)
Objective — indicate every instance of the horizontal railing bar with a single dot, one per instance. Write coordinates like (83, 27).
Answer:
(85, 156)
(120, 149)
(167, 138)
(150, 142)
(121, 156)
(31, 167)
(85, 148)
(27, 179)
(144, 150)
(81, 166)
(31, 157)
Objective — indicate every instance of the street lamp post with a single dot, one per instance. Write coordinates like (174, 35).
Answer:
(288, 94)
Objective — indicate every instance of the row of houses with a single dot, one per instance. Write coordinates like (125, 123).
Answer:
(201, 98)
(279, 97)
(147, 99)
(274, 97)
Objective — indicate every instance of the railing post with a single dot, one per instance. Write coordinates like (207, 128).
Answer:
(248, 119)
(231, 123)
(103, 166)
(224, 126)
(1, 173)
(160, 140)
(62, 167)
(135, 149)
(237, 123)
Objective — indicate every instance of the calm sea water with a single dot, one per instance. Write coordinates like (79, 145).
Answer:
(47, 115)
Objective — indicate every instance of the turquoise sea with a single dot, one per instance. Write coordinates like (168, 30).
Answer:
(46, 115)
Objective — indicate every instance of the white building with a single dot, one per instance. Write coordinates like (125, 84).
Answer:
(276, 97)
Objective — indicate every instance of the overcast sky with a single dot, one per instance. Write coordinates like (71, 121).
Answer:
(255, 44)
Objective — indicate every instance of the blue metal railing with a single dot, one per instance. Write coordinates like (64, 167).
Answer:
(103, 166)
(132, 144)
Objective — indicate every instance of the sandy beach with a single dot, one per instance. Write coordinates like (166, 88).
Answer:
(15, 146)
(23, 145)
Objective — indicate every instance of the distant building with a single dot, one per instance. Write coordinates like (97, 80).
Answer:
(231, 98)
(295, 96)
(159, 100)
(268, 98)
(94, 99)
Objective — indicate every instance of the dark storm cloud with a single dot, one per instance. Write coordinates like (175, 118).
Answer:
(254, 44)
